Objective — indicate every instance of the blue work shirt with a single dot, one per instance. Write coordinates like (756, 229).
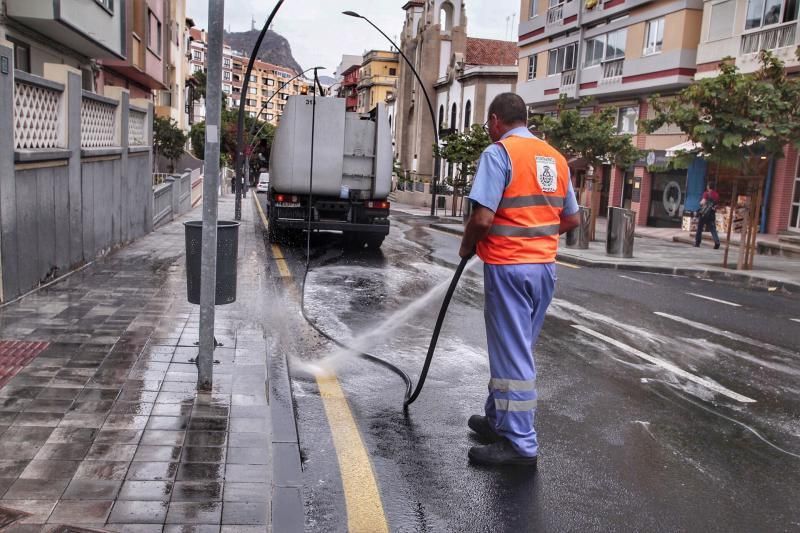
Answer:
(494, 175)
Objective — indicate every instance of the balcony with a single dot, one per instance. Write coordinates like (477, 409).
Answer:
(555, 15)
(612, 71)
(568, 78)
(779, 37)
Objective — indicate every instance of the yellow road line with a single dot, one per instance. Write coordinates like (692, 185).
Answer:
(567, 265)
(364, 507)
(362, 498)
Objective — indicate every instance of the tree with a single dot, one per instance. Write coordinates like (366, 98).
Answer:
(593, 138)
(463, 149)
(168, 140)
(735, 119)
(199, 80)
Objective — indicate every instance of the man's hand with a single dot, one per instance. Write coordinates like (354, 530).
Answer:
(569, 222)
(478, 226)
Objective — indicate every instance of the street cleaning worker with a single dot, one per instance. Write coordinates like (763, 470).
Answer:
(522, 201)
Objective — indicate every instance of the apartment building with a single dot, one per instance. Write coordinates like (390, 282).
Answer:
(740, 29)
(348, 87)
(377, 79)
(70, 32)
(619, 53)
(269, 88)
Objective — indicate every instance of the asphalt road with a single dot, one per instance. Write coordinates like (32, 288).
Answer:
(659, 408)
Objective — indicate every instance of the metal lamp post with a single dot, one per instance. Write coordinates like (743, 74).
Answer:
(438, 163)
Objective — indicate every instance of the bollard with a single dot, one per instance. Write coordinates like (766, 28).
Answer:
(621, 228)
(579, 237)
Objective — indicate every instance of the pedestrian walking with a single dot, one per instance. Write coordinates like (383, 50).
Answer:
(707, 216)
(522, 199)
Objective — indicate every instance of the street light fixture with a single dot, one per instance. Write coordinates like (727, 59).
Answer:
(438, 163)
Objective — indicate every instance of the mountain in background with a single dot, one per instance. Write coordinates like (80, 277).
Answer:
(275, 48)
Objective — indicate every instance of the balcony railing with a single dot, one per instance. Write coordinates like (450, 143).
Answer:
(612, 71)
(568, 78)
(555, 15)
(779, 37)
(136, 51)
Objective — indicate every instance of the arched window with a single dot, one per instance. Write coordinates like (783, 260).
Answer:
(441, 116)
(446, 16)
(467, 116)
(454, 117)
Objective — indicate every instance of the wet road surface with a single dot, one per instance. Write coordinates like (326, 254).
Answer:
(659, 409)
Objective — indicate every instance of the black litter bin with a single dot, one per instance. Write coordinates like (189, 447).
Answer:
(227, 253)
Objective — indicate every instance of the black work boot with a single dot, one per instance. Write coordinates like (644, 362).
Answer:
(499, 454)
(480, 425)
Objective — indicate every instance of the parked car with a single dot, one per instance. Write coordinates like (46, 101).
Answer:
(263, 182)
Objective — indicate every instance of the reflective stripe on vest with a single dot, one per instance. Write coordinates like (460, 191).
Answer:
(527, 221)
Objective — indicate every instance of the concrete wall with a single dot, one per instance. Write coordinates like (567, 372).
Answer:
(64, 205)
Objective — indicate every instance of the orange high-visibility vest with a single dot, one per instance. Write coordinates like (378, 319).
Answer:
(525, 227)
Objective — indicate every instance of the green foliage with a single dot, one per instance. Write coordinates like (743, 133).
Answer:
(262, 142)
(463, 149)
(168, 139)
(593, 138)
(734, 116)
(200, 79)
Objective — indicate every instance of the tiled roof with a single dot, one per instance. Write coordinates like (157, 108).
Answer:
(491, 52)
(196, 34)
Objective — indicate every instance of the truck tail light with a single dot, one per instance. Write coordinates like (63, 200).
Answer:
(295, 199)
(378, 205)
(280, 198)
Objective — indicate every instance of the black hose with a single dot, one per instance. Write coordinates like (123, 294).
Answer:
(409, 396)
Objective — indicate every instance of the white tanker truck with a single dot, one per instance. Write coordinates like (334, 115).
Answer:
(351, 177)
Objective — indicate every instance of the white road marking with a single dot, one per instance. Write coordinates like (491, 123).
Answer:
(795, 319)
(725, 333)
(713, 299)
(636, 280)
(666, 365)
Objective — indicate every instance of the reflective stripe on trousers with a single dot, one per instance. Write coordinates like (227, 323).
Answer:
(517, 297)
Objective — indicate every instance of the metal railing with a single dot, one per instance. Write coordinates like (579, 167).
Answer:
(612, 71)
(568, 78)
(779, 37)
(555, 15)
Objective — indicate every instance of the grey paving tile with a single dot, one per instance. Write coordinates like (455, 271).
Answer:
(27, 435)
(81, 512)
(68, 435)
(119, 436)
(138, 396)
(42, 420)
(157, 471)
(191, 528)
(247, 473)
(14, 451)
(241, 529)
(203, 454)
(46, 405)
(107, 470)
(92, 407)
(249, 440)
(39, 510)
(138, 512)
(133, 408)
(111, 452)
(198, 491)
(134, 528)
(205, 438)
(201, 472)
(11, 469)
(36, 489)
(83, 420)
(249, 456)
(50, 469)
(208, 424)
(5, 483)
(194, 513)
(246, 492)
(125, 422)
(168, 423)
(171, 409)
(146, 490)
(162, 438)
(240, 513)
(92, 489)
(75, 451)
(157, 453)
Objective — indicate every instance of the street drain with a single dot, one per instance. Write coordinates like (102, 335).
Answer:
(9, 516)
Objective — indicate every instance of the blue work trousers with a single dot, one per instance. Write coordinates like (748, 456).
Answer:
(517, 297)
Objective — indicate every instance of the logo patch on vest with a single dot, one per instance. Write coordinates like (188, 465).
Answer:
(546, 173)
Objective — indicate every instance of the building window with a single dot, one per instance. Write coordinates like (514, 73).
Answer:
(453, 117)
(586, 111)
(721, 20)
(252, 114)
(766, 12)
(270, 116)
(250, 103)
(226, 62)
(197, 55)
(252, 90)
(626, 119)
(392, 72)
(271, 83)
(197, 68)
(534, 9)
(22, 55)
(226, 75)
(441, 117)
(253, 79)
(654, 38)
(561, 59)
(270, 105)
(153, 33)
(226, 88)
(532, 60)
(467, 115)
(606, 47)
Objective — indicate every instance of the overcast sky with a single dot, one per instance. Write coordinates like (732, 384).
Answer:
(319, 34)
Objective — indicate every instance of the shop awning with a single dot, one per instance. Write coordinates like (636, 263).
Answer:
(687, 146)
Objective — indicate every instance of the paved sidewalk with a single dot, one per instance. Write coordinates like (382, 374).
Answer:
(100, 423)
(669, 257)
